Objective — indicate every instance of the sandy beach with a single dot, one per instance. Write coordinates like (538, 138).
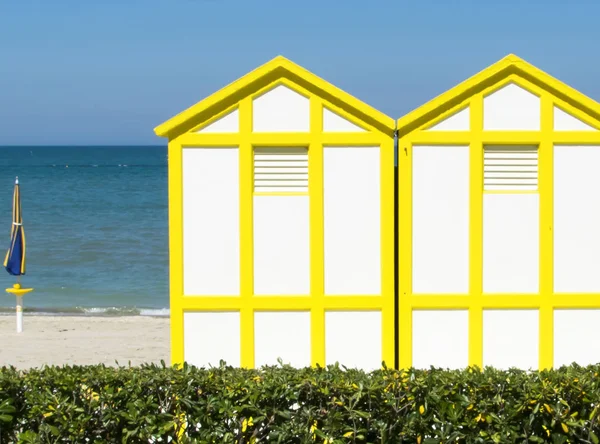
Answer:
(71, 340)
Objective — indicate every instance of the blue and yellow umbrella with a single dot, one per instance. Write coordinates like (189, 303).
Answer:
(15, 257)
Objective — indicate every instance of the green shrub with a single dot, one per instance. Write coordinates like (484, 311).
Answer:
(149, 404)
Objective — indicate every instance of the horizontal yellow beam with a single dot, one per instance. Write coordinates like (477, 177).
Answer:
(450, 302)
(576, 301)
(280, 139)
(279, 303)
(360, 302)
(235, 139)
(464, 302)
(501, 301)
(505, 137)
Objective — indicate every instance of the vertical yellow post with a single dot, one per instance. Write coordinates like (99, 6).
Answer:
(388, 342)
(404, 253)
(246, 235)
(317, 265)
(176, 249)
(476, 234)
(545, 184)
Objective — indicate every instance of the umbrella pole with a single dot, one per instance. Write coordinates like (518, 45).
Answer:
(19, 309)
(19, 314)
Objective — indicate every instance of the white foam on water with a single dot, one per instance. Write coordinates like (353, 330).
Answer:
(154, 312)
(89, 311)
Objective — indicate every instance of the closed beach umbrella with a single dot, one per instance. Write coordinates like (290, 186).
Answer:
(15, 257)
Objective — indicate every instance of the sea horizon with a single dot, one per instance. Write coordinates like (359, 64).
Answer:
(96, 224)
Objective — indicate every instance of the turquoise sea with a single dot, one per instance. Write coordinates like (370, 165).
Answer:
(96, 226)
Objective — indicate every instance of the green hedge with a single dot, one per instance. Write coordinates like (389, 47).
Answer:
(280, 404)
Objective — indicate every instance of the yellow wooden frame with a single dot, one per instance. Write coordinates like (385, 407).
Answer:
(412, 130)
(181, 131)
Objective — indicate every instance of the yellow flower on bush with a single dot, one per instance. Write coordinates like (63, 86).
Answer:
(546, 429)
(182, 426)
(313, 429)
(421, 410)
(247, 423)
(89, 394)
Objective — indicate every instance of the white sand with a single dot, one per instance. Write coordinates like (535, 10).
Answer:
(70, 340)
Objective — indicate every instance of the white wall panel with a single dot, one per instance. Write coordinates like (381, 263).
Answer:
(576, 219)
(576, 337)
(229, 123)
(511, 339)
(564, 121)
(334, 123)
(440, 219)
(352, 223)
(511, 243)
(211, 247)
(459, 121)
(209, 337)
(281, 110)
(511, 108)
(353, 338)
(440, 338)
(281, 245)
(282, 334)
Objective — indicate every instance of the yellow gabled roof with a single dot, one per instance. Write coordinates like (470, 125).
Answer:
(273, 70)
(511, 64)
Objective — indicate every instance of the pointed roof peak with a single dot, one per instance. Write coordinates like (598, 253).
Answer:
(280, 58)
(513, 58)
(277, 67)
(494, 74)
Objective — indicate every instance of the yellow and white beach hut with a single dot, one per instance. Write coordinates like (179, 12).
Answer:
(281, 224)
(499, 224)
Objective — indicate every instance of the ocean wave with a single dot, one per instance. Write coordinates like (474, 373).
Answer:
(88, 311)
(154, 312)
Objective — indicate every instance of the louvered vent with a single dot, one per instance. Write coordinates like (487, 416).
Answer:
(513, 168)
(282, 170)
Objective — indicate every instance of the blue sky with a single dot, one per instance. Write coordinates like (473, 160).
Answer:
(109, 71)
